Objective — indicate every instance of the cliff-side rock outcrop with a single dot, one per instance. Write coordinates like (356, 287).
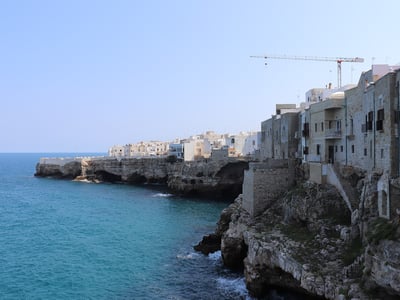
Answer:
(213, 178)
(308, 241)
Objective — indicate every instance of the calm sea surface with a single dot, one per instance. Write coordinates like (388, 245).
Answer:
(61, 239)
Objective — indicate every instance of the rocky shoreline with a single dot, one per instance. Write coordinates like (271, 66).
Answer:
(217, 179)
(308, 241)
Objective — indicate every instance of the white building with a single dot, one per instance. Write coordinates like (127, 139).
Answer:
(244, 143)
(116, 151)
(141, 149)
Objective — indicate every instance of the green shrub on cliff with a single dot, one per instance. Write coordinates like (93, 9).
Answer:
(381, 229)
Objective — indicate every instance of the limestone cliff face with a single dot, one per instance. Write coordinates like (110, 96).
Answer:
(309, 241)
(382, 266)
(69, 169)
(222, 178)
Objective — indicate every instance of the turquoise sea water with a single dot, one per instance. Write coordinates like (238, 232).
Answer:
(61, 239)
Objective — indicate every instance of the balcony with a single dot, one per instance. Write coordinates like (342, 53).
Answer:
(333, 134)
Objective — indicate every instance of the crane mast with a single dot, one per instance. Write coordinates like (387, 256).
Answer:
(338, 61)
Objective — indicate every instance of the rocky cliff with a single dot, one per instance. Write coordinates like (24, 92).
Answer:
(310, 242)
(214, 178)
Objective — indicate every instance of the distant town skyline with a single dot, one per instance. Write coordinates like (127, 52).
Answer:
(80, 76)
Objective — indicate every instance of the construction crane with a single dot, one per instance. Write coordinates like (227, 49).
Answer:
(338, 60)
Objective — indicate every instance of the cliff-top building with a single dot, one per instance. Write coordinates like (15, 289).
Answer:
(353, 127)
(195, 147)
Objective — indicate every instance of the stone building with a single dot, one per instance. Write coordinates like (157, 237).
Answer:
(243, 144)
(279, 139)
(372, 122)
(116, 151)
(141, 149)
(353, 127)
(326, 119)
(264, 182)
(176, 149)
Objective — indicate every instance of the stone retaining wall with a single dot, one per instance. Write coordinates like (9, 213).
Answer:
(265, 182)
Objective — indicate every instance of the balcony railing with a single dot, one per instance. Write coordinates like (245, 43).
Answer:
(333, 134)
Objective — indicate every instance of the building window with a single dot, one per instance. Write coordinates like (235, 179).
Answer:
(352, 148)
(336, 148)
(380, 118)
(369, 119)
(306, 130)
(341, 148)
(322, 126)
(318, 149)
(382, 153)
(316, 127)
(365, 151)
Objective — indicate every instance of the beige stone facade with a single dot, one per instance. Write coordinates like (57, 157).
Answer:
(264, 182)
(355, 126)
(141, 149)
(372, 122)
(279, 136)
(326, 129)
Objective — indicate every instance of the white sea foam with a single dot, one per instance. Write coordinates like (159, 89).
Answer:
(162, 195)
(234, 286)
(187, 256)
(215, 256)
(84, 180)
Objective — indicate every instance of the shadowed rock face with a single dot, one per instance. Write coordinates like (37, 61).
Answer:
(136, 178)
(231, 179)
(106, 176)
(208, 178)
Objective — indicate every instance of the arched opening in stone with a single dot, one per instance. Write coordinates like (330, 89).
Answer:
(107, 177)
(136, 178)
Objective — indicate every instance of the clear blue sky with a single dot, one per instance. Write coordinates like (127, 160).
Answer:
(82, 75)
